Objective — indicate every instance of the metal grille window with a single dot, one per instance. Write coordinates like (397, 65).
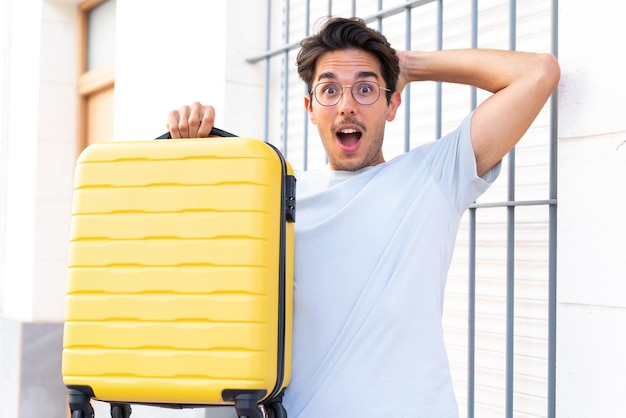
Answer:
(500, 303)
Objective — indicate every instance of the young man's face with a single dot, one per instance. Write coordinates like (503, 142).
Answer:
(352, 133)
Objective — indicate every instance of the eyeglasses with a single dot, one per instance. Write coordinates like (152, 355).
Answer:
(330, 93)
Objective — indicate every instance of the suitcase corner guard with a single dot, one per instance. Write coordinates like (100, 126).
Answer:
(246, 401)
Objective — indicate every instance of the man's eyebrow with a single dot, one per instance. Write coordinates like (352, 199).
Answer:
(367, 74)
(360, 74)
(327, 74)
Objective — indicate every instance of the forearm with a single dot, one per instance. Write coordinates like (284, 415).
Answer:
(487, 69)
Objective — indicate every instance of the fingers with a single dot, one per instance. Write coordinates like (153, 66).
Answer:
(200, 121)
(402, 80)
(195, 121)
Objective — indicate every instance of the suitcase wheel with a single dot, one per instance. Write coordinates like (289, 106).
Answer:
(120, 410)
(276, 410)
(79, 403)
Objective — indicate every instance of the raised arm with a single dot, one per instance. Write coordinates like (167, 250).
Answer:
(521, 83)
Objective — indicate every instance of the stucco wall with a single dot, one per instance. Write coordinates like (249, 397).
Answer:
(592, 225)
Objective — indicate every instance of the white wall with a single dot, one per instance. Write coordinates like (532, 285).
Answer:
(22, 72)
(39, 117)
(187, 51)
(37, 137)
(591, 338)
(55, 158)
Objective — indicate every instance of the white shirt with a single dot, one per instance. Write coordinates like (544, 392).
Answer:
(373, 248)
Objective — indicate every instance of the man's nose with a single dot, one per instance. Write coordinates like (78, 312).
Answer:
(347, 104)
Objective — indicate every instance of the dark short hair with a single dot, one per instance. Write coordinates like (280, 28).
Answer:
(347, 33)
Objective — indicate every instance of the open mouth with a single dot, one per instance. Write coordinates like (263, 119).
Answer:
(349, 139)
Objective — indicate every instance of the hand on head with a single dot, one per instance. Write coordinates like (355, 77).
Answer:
(403, 79)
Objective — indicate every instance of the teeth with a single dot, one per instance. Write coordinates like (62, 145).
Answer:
(349, 131)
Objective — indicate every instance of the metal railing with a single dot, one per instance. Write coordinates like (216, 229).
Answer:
(407, 9)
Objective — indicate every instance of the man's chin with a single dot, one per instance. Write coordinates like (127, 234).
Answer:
(347, 164)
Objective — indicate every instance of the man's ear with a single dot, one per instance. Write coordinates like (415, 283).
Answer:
(308, 105)
(394, 104)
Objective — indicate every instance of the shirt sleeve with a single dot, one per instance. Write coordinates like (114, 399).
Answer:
(453, 166)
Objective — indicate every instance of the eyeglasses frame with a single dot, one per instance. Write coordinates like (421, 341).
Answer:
(312, 92)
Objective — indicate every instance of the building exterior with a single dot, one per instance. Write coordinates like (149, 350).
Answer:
(74, 72)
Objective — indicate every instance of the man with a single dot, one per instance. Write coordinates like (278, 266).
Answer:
(374, 239)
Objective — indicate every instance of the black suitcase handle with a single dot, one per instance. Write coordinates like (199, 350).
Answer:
(214, 132)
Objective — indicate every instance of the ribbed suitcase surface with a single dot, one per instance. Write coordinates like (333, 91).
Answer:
(180, 273)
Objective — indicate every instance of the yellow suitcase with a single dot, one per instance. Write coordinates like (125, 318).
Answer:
(180, 276)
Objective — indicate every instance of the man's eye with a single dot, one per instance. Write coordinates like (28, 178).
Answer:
(365, 89)
(330, 90)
